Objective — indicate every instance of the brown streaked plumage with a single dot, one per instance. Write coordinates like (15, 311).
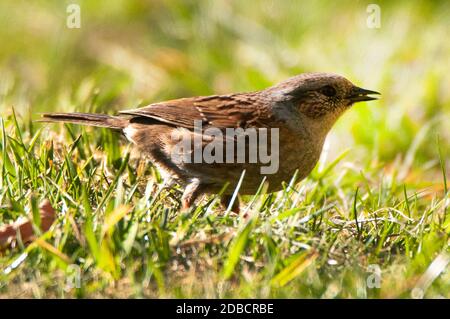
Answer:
(303, 108)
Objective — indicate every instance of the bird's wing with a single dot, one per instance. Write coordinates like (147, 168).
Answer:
(221, 111)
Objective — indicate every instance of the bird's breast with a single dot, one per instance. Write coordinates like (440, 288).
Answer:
(296, 153)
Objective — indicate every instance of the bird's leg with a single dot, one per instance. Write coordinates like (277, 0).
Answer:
(192, 191)
(225, 201)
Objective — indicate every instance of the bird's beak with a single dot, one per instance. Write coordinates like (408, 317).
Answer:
(359, 94)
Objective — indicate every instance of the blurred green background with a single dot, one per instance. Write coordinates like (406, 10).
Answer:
(129, 53)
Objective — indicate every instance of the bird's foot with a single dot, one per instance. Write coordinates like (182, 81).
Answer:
(225, 202)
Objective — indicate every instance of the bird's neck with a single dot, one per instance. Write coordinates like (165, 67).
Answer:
(319, 128)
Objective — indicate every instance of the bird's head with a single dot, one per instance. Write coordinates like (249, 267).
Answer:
(321, 97)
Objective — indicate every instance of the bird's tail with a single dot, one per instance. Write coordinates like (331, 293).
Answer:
(101, 120)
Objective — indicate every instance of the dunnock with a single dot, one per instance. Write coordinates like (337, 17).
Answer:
(302, 109)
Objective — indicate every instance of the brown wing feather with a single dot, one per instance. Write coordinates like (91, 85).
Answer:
(237, 110)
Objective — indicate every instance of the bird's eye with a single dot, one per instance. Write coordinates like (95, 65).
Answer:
(328, 90)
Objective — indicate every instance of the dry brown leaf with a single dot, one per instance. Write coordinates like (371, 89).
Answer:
(24, 227)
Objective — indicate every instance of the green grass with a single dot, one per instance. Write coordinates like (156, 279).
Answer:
(378, 199)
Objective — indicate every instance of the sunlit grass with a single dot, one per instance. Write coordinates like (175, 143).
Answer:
(121, 227)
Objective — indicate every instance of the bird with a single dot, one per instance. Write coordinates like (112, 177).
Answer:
(299, 112)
